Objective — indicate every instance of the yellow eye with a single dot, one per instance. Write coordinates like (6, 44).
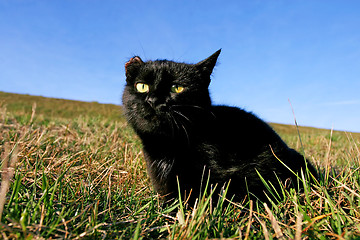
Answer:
(177, 88)
(142, 87)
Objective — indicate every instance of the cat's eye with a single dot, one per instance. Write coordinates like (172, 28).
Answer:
(142, 87)
(177, 88)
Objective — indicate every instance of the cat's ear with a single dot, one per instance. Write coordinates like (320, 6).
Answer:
(206, 66)
(133, 63)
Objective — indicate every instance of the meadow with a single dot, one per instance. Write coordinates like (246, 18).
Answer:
(75, 170)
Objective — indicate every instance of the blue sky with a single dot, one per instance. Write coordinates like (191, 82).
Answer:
(307, 52)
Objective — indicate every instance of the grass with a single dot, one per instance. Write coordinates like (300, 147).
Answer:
(75, 170)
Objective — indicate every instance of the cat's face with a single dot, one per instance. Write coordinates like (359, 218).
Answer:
(156, 90)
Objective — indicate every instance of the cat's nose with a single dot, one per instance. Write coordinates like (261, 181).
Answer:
(151, 101)
(155, 103)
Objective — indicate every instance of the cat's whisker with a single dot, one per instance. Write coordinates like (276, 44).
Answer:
(196, 107)
(182, 115)
(179, 122)
(172, 121)
(186, 133)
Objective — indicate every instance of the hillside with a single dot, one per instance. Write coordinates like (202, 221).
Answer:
(68, 109)
(53, 108)
(75, 170)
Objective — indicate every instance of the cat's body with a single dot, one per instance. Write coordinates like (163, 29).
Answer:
(186, 137)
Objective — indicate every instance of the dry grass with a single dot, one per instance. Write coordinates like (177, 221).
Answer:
(84, 178)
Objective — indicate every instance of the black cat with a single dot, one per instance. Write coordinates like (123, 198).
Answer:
(185, 137)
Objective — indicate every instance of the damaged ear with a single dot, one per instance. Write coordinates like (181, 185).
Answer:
(133, 63)
(206, 66)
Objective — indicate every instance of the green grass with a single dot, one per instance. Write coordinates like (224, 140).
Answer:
(75, 170)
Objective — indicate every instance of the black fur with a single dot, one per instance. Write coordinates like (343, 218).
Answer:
(184, 136)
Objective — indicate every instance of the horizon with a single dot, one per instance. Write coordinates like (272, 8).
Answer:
(307, 53)
(120, 105)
